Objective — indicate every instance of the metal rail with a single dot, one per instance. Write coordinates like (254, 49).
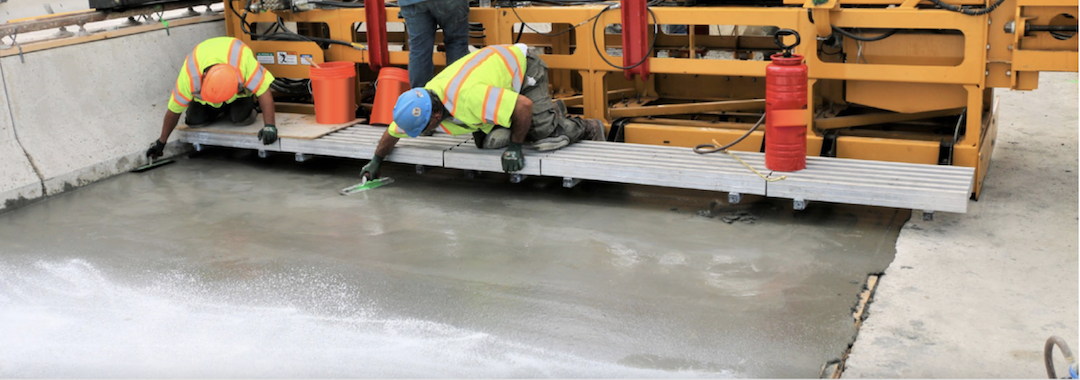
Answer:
(836, 180)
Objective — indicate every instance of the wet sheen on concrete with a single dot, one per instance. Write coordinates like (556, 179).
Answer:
(227, 265)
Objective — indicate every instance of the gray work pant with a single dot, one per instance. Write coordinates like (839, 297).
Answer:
(545, 119)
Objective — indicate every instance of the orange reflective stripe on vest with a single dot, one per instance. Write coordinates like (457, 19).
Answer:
(450, 95)
(512, 66)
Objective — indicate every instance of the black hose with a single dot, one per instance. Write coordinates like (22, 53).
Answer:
(864, 39)
(710, 148)
(652, 46)
(339, 4)
(1048, 354)
(968, 10)
(1051, 28)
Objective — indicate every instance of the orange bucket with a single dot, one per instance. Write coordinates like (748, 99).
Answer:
(391, 84)
(333, 85)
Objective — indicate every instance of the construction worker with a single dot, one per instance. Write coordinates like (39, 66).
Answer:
(500, 95)
(220, 77)
(422, 17)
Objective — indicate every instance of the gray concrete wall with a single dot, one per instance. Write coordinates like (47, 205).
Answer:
(88, 111)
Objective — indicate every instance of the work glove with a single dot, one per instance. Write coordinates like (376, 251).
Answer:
(268, 134)
(157, 149)
(512, 159)
(371, 170)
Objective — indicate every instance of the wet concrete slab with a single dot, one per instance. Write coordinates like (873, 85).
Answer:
(225, 265)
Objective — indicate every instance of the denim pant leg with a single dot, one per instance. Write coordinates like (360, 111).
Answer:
(453, 17)
(421, 26)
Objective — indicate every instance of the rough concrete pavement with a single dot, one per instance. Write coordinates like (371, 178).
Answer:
(976, 295)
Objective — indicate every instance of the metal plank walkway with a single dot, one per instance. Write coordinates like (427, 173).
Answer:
(837, 180)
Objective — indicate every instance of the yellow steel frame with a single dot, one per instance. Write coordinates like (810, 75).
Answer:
(988, 57)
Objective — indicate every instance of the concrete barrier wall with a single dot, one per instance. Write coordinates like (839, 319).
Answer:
(89, 111)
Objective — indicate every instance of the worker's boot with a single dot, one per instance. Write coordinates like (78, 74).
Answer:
(551, 143)
(594, 130)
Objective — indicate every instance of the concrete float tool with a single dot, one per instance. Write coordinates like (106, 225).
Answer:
(152, 165)
(366, 185)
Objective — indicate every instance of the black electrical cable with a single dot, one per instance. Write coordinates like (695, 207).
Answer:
(526, 25)
(1051, 28)
(710, 148)
(968, 10)
(520, 32)
(864, 39)
(652, 46)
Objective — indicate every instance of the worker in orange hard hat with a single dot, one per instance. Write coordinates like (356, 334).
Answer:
(220, 77)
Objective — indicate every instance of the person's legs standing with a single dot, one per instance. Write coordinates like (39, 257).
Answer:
(421, 27)
(453, 17)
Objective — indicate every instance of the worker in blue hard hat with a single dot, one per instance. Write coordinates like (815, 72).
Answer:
(500, 95)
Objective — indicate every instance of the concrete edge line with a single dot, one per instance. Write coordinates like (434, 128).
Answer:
(15, 130)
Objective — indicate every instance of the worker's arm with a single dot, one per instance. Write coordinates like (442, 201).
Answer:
(520, 122)
(386, 145)
(157, 148)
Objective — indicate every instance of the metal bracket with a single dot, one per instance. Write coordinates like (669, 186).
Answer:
(734, 198)
(301, 157)
(517, 178)
(262, 153)
(568, 182)
(421, 169)
(800, 204)
(928, 215)
(198, 147)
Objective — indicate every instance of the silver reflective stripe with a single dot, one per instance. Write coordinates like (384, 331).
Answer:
(515, 69)
(193, 72)
(256, 79)
(234, 53)
(491, 105)
(451, 90)
(179, 99)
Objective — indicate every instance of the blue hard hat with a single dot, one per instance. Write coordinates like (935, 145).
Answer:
(413, 111)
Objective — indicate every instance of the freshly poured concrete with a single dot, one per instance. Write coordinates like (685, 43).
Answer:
(977, 295)
(234, 266)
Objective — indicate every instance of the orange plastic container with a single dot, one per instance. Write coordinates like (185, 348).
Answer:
(391, 84)
(333, 85)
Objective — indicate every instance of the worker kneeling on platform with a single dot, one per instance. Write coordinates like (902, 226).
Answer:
(220, 77)
(500, 95)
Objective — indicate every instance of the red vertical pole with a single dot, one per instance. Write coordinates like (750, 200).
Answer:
(378, 54)
(635, 37)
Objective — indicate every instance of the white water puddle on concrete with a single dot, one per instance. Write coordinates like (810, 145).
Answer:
(70, 319)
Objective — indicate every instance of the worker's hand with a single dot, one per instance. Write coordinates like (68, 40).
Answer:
(268, 134)
(512, 159)
(371, 170)
(157, 149)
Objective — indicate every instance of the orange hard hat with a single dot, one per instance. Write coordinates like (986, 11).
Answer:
(220, 83)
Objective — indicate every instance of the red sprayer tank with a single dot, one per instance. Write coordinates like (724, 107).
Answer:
(785, 90)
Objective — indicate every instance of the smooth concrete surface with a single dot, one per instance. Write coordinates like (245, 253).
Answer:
(226, 265)
(18, 181)
(89, 111)
(976, 295)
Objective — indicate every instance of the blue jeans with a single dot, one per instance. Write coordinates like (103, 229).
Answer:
(421, 19)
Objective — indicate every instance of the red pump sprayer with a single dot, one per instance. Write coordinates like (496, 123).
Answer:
(785, 107)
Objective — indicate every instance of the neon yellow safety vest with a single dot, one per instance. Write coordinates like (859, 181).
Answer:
(218, 50)
(479, 90)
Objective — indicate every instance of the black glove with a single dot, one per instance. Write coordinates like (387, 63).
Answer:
(268, 134)
(371, 170)
(512, 159)
(157, 149)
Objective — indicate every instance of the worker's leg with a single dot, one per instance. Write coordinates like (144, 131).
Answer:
(199, 114)
(551, 128)
(453, 17)
(242, 111)
(421, 26)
